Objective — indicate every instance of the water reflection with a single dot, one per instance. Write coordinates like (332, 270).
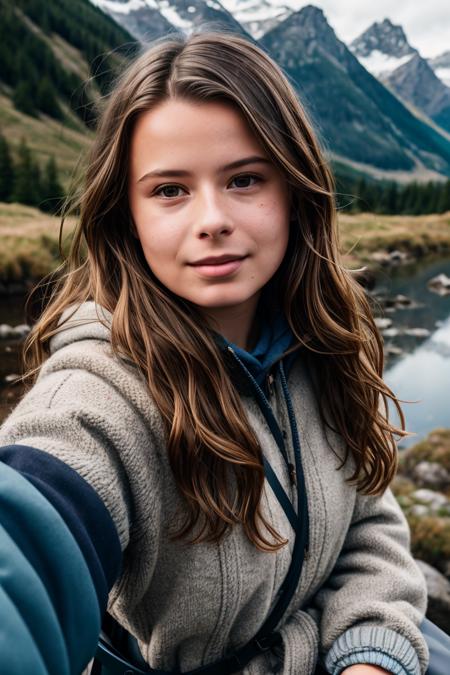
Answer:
(422, 372)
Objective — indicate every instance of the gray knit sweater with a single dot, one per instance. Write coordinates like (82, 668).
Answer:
(360, 590)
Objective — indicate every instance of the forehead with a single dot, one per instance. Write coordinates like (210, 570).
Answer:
(178, 128)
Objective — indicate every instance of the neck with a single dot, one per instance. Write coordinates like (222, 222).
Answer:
(237, 324)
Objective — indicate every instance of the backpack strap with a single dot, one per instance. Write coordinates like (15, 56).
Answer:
(266, 638)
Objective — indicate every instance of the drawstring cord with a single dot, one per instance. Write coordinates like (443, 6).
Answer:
(275, 429)
(303, 501)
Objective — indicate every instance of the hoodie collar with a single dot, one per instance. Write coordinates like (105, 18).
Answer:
(274, 339)
(88, 321)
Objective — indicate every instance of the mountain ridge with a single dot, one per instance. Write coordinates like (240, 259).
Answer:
(384, 50)
(368, 122)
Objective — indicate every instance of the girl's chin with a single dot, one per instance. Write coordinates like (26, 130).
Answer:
(221, 303)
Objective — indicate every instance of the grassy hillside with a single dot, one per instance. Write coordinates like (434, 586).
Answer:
(45, 136)
(56, 60)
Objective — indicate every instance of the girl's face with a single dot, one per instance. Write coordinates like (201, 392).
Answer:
(200, 186)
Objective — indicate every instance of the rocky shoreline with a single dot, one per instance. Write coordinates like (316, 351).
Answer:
(422, 488)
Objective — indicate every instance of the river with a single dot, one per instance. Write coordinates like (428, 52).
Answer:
(422, 371)
(419, 372)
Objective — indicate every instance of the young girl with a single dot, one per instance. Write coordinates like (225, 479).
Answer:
(206, 452)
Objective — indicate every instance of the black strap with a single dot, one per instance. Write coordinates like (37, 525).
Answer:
(266, 636)
(282, 497)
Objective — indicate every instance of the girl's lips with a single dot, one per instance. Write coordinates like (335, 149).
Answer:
(219, 269)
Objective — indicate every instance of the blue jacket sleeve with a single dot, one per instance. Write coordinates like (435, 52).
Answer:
(59, 556)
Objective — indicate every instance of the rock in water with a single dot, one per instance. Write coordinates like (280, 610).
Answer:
(440, 284)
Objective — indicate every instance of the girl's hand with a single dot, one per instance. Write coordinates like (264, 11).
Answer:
(364, 669)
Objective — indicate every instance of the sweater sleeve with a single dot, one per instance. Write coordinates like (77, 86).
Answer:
(64, 520)
(373, 602)
(49, 608)
(82, 420)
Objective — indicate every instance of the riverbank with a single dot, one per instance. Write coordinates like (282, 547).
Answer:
(375, 242)
(422, 488)
(30, 249)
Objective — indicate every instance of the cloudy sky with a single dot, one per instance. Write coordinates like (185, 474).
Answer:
(426, 25)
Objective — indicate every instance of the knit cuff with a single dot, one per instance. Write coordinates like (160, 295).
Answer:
(376, 645)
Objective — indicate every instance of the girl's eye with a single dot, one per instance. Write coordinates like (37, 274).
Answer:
(172, 186)
(246, 176)
(168, 187)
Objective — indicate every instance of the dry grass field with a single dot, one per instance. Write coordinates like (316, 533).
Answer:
(29, 238)
(29, 242)
(363, 234)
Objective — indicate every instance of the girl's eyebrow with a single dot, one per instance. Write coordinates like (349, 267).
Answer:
(181, 172)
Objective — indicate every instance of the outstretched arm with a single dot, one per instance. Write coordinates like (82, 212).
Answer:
(54, 577)
(64, 520)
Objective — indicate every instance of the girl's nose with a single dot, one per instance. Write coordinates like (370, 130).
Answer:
(211, 219)
(213, 230)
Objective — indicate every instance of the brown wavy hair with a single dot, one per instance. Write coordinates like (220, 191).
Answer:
(213, 452)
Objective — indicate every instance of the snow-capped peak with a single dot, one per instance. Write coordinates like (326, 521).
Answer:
(382, 48)
(260, 16)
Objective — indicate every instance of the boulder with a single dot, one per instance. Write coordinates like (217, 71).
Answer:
(439, 284)
(381, 257)
(392, 350)
(417, 332)
(435, 501)
(431, 475)
(13, 332)
(402, 301)
(419, 510)
(438, 588)
(397, 256)
(391, 332)
(382, 322)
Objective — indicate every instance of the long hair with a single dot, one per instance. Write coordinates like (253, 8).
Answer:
(213, 452)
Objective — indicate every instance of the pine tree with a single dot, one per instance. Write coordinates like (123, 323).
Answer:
(46, 100)
(27, 183)
(23, 98)
(52, 190)
(443, 203)
(417, 205)
(432, 193)
(392, 198)
(6, 171)
(408, 197)
(361, 192)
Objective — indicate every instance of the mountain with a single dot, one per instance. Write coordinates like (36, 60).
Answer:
(150, 19)
(358, 119)
(441, 67)
(56, 61)
(260, 16)
(383, 50)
